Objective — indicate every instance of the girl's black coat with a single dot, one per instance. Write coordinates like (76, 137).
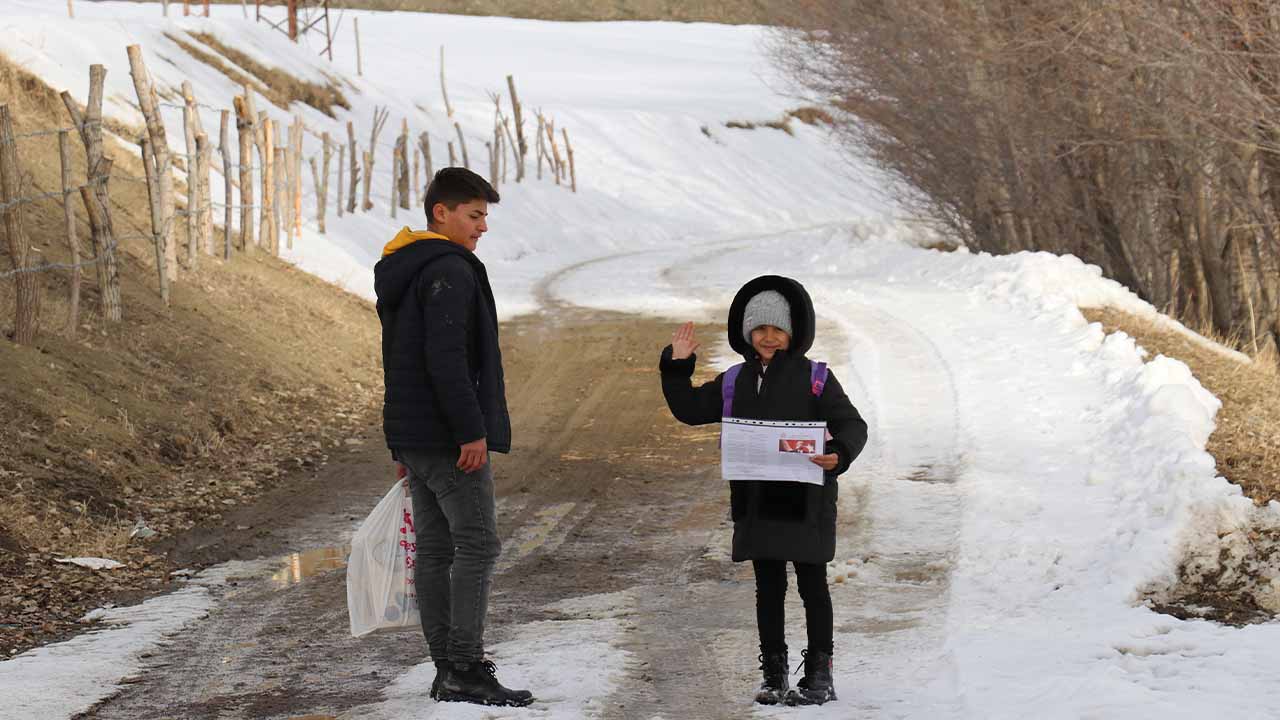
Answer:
(775, 520)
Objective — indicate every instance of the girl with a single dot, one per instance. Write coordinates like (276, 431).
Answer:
(771, 323)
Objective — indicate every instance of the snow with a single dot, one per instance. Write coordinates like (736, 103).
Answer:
(93, 563)
(66, 678)
(1028, 475)
(1059, 472)
(570, 665)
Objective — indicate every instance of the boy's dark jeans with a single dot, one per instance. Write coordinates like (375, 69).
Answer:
(771, 594)
(454, 517)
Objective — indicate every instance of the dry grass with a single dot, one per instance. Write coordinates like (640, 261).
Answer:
(808, 115)
(218, 64)
(255, 370)
(279, 86)
(1246, 443)
(941, 244)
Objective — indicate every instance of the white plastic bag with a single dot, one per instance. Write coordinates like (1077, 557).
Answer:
(380, 588)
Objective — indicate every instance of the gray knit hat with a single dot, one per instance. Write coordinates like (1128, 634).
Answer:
(766, 308)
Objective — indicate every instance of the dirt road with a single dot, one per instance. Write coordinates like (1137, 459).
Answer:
(603, 493)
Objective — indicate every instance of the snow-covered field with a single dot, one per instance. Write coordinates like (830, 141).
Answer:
(1026, 477)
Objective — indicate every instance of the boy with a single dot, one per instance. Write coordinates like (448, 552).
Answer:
(444, 411)
(771, 323)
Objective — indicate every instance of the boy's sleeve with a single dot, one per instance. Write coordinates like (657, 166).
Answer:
(844, 423)
(689, 405)
(447, 295)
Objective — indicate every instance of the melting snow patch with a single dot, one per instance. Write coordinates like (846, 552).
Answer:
(66, 678)
(570, 666)
(92, 563)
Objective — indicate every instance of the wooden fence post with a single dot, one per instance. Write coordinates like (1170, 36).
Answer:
(417, 188)
(542, 151)
(342, 161)
(521, 147)
(286, 185)
(462, 146)
(513, 144)
(354, 168)
(402, 179)
(568, 150)
(380, 116)
(193, 172)
(157, 215)
(491, 148)
(315, 182)
(322, 182)
(557, 164)
(204, 234)
(26, 319)
(365, 205)
(359, 60)
(149, 104)
(453, 160)
(96, 198)
(395, 179)
(281, 171)
(297, 176)
(502, 149)
(265, 237)
(69, 225)
(244, 126)
(228, 200)
(443, 90)
(425, 143)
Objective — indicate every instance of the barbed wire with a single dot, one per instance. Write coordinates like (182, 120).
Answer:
(67, 266)
(55, 131)
(38, 198)
(197, 104)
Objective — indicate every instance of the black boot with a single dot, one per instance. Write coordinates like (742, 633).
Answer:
(774, 688)
(477, 682)
(442, 668)
(816, 687)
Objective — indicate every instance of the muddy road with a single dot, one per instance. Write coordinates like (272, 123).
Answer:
(603, 493)
(611, 513)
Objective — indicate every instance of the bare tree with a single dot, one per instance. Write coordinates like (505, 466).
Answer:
(380, 115)
(1142, 136)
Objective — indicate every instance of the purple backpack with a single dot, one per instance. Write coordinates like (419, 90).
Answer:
(817, 381)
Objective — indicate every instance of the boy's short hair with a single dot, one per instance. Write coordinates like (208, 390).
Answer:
(453, 186)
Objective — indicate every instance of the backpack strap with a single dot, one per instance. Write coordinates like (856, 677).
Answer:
(727, 384)
(817, 377)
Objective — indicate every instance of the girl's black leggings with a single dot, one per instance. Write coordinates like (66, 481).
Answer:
(771, 594)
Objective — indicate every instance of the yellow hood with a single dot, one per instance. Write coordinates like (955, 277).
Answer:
(407, 237)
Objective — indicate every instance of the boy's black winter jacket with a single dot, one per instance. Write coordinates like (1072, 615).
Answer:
(440, 354)
(775, 520)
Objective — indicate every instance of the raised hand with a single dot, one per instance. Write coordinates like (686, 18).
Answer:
(683, 343)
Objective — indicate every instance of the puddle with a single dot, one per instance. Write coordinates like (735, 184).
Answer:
(299, 566)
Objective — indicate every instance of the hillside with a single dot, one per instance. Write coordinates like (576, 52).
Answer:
(174, 415)
(716, 11)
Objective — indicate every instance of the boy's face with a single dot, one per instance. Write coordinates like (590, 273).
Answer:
(768, 340)
(464, 224)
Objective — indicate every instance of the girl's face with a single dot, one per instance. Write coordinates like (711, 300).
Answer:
(768, 340)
